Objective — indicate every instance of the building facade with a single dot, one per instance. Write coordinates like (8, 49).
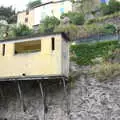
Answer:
(37, 14)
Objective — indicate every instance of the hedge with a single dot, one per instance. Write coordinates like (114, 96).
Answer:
(84, 53)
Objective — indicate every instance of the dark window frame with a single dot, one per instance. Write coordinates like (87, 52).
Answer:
(53, 43)
(26, 20)
(27, 12)
(3, 53)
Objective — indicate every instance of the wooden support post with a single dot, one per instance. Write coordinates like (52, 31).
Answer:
(1, 93)
(66, 96)
(43, 93)
(21, 96)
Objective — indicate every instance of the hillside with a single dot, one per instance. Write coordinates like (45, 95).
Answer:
(92, 90)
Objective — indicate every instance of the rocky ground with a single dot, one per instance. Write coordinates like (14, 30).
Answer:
(88, 99)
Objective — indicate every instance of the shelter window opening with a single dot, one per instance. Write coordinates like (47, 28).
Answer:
(53, 43)
(27, 47)
(3, 50)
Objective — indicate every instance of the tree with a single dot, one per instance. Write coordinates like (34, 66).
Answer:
(112, 7)
(32, 4)
(8, 14)
(21, 30)
(75, 17)
(105, 10)
(48, 24)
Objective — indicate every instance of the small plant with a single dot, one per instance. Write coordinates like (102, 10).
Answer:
(22, 30)
(106, 71)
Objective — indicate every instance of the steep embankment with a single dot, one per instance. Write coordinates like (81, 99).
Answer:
(87, 98)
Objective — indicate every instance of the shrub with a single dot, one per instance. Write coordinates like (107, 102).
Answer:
(103, 18)
(75, 17)
(21, 30)
(48, 24)
(100, 28)
(112, 7)
(70, 29)
(83, 54)
(109, 28)
(106, 71)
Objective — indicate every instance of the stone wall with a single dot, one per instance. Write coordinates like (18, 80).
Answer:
(87, 99)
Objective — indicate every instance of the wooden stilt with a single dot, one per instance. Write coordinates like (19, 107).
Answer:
(21, 96)
(43, 93)
(66, 96)
(1, 93)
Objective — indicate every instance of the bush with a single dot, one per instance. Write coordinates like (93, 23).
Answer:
(101, 19)
(48, 24)
(75, 17)
(94, 28)
(83, 54)
(106, 71)
(70, 29)
(112, 7)
(21, 30)
(109, 28)
(100, 28)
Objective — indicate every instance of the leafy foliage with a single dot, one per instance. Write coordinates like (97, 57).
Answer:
(70, 29)
(75, 17)
(109, 28)
(86, 6)
(21, 30)
(8, 14)
(100, 29)
(112, 7)
(48, 24)
(32, 4)
(101, 19)
(83, 54)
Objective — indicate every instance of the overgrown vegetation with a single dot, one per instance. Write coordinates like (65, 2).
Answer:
(112, 7)
(8, 14)
(21, 30)
(103, 18)
(32, 4)
(83, 54)
(106, 71)
(48, 25)
(70, 29)
(75, 17)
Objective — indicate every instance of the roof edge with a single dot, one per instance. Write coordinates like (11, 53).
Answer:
(64, 35)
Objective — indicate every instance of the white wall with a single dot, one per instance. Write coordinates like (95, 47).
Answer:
(51, 10)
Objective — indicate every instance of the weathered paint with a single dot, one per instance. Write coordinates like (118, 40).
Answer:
(46, 62)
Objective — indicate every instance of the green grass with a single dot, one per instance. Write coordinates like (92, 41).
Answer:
(83, 54)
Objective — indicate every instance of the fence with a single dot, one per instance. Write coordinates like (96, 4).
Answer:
(96, 38)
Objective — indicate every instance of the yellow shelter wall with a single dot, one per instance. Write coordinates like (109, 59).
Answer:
(45, 62)
(65, 58)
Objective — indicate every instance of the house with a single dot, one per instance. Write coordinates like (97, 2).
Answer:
(34, 57)
(37, 14)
